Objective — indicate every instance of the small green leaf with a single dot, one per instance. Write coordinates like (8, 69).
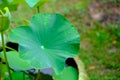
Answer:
(48, 42)
(69, 73)
(15, 62)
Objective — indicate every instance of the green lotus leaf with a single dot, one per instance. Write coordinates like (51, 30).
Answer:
(69, 73)
(47, 42)
(15, 62)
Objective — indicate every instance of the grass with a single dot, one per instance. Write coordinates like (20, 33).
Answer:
(100, 45)
(101, 58)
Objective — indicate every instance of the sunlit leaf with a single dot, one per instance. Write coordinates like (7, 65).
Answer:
(48, 42)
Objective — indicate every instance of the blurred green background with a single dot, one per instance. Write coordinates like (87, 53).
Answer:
(98, 22)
